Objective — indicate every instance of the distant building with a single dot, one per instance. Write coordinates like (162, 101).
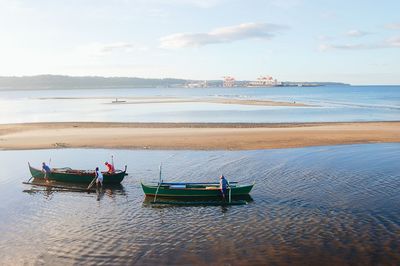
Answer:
(197, 84)
(229, 82)
(264, 81)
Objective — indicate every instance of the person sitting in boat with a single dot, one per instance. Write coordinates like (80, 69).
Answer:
(223, 184)
(46, 170)
(99, 177)
(110, 167)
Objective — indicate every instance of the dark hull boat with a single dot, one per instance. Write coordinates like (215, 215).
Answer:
(178, 190)
(78, 176)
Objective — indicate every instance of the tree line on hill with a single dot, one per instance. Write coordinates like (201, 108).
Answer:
(96, 82)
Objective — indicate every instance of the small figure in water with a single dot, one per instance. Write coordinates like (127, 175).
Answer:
(47, 171)
(223, 184)
(110, 167)
(99, 177)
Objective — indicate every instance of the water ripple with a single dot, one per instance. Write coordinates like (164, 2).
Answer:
(322, 205)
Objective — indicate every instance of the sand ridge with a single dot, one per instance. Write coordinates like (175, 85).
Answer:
(196, 136)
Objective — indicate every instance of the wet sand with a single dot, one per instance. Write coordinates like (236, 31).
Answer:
(196, 136)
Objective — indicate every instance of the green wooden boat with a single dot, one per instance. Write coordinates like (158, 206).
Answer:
(78, 176)
(193, 189)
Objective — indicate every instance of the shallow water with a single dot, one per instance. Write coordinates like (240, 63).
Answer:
(329, 104)
(320, 205)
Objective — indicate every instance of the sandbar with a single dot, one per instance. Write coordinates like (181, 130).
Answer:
(193, 136)
(171, 100)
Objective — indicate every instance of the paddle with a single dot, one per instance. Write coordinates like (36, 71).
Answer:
(92, 183)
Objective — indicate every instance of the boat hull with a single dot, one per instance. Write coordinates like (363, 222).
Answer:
(78, 176)
(193, 191)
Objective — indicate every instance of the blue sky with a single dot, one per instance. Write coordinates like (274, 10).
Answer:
(348, 41)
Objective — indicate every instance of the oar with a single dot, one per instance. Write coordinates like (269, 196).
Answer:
(92, 183)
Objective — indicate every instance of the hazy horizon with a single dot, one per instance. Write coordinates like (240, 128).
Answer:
(355, 42)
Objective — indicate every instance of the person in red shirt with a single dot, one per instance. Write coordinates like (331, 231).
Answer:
(110, 167)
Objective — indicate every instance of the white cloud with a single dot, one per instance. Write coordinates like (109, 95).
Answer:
(393, 42)
(327, 47)
(101, 49)
(324, 37)
(193, 3)
(199, 3)
(356, 33)
(393, 26)
(222, 35)
(286, 4)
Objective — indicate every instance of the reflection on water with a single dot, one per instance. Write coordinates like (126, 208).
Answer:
(320, 205)
(165, 202)
(47, 189)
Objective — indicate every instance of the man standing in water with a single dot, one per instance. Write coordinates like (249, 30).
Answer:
(47, 171)
(99, 177)
(223, 184)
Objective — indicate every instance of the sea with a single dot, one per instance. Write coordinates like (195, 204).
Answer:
(327, 205)
(324, 104)
(331, 205)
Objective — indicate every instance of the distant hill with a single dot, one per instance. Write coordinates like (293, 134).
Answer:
(296, 83)
(93, 82)
(68, 82)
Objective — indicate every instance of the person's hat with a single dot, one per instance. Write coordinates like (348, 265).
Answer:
(106, 163)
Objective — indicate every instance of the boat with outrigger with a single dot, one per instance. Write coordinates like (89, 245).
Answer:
(74, 180)
(69, 175)
(196, 190)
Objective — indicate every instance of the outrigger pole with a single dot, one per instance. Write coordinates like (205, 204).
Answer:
(75, 189)
(159, 182)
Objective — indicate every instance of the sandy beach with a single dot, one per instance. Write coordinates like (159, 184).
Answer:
(196, 136)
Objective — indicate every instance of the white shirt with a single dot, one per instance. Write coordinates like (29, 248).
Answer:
(99, 175)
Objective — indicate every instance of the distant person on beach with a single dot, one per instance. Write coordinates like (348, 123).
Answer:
(223, 184)
(99, 177)
(110, 167)
(46, 170)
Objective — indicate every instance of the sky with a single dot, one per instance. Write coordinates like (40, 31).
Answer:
(356, 41)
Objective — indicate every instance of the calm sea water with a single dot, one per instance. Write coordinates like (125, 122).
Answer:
(330, 104)
(336, 205)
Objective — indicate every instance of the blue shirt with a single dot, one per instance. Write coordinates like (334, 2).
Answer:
(46, 169)
(223, 183)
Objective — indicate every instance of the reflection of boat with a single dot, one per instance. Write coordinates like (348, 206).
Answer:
(78, 176)
(178, 190)
(40, 186)
(197, 201)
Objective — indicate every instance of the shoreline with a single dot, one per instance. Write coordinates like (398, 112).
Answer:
(193, 136)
